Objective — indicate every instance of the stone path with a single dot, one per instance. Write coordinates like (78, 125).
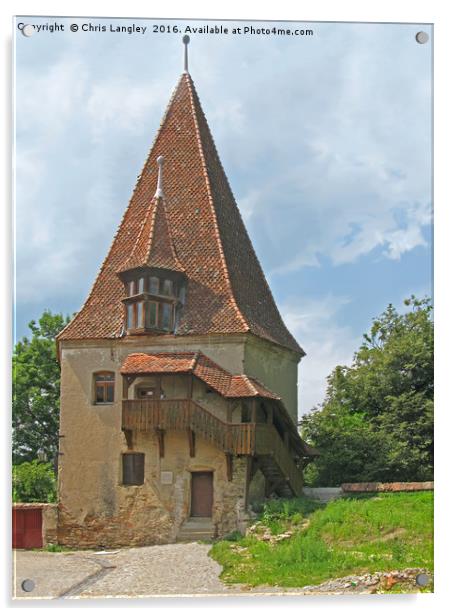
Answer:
(164, 570)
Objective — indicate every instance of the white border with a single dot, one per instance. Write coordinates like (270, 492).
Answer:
(434, 11)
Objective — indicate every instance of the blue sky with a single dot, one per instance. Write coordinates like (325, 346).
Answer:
(326, 141)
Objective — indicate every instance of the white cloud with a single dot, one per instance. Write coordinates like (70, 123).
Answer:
(326, 343)
(327, 151)
(123, 105)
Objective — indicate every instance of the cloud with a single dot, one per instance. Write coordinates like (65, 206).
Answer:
(122, 104)
(327, 344)
(326, 143)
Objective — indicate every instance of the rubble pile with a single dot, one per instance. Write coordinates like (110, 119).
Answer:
(371, 583)
(263, 533)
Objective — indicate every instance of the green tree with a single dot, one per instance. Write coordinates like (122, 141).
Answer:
(376, 422)
(34, 482)
(36, 390)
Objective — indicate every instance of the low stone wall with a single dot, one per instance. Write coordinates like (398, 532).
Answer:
(49, 520)
(412, 486)
(325, 495)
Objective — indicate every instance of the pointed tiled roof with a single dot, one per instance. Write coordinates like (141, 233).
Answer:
(154, 246)
(227, 291)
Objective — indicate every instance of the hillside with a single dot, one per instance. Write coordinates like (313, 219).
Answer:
(298, 542)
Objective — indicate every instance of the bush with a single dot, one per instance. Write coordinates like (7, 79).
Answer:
(34, 482)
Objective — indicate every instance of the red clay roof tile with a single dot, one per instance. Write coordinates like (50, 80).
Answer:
(227, 291)
(216, 377)
(154, 246)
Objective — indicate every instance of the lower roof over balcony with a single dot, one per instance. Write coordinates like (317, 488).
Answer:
(187, 362)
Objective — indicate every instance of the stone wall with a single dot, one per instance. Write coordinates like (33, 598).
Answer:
(325, 495)
(412, 486)
(95, 509)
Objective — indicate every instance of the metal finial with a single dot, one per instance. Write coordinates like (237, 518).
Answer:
(186, 40)
(159, 191)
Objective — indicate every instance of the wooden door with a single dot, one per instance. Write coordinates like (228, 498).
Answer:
(27, 528)
(201, 494)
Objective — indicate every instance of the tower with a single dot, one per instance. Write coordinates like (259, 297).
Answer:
(179, 377)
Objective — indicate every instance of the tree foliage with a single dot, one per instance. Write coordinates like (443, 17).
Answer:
(36, 390)
(376, 423)
(34, 482)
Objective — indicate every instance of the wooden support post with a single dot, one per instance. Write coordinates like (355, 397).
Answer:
(229, 469)
(254, 468)
(270, 415)
(128, 434)
(190, 387)
(158, 388)
(268, 488)
(125, 387)
(229, 412)
(254, 411)
(161, 441)
(191, 443)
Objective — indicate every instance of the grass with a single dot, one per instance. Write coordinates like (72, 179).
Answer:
(348, 536)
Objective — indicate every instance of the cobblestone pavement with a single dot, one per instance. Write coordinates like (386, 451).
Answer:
(164, 570)
(51, 573)
(176, 569)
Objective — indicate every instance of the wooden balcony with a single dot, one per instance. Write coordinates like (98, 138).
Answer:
(149, 415)
(251, 439)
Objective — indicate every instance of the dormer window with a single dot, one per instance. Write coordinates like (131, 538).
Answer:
(152, 301)
(167, 287)
(154, 284)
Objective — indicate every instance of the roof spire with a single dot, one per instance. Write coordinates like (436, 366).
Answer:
(186, 40)
(159, 191)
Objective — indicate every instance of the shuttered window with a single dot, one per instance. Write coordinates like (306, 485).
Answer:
(133, 469)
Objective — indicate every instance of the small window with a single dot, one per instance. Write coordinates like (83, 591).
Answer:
(151, 314)
(133, 469)
(167, 288)
(166, 316)
(130, 316)
(154, 285)
(104, 385)
(131, 287)
(140, 314)
(141, 285)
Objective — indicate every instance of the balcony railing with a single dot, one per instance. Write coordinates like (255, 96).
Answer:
(250, 439)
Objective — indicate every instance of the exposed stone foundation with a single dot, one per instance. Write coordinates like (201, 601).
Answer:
(141, 517)
(136, 524)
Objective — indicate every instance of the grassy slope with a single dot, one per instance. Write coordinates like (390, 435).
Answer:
(352, 535)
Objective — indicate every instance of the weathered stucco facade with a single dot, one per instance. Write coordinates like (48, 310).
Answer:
(94, 507)
(178, 375)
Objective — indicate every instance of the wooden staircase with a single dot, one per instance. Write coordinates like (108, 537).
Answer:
(259, 440)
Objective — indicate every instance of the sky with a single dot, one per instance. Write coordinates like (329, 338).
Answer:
(326, 141)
